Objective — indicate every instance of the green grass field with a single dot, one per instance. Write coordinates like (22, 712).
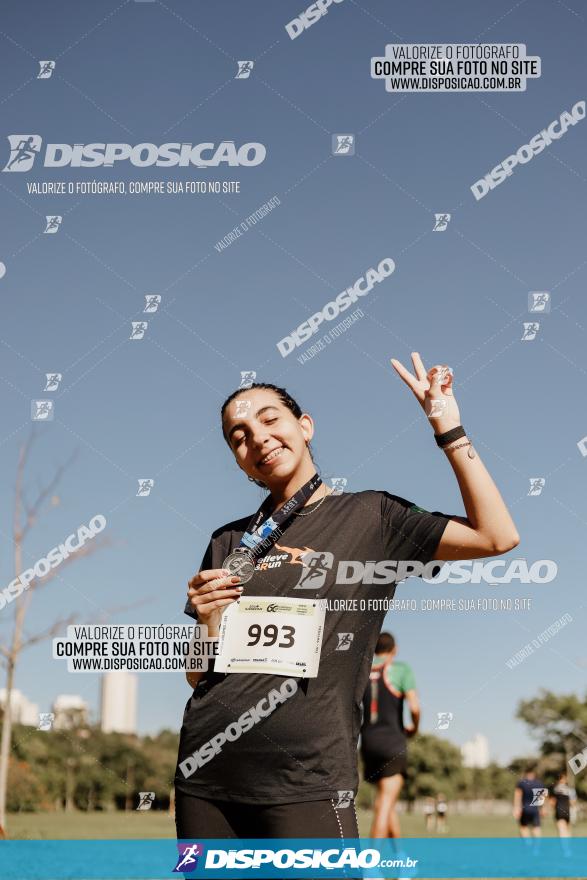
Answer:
(144, 825)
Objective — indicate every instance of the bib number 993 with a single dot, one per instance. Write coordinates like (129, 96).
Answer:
(271, 632)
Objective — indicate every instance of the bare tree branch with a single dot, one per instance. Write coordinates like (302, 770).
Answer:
(21, 527)
(86, 550)
(53, 630)
(33, 510)
(18, 492)
(102, 618)
(64, 622)
(120, 608)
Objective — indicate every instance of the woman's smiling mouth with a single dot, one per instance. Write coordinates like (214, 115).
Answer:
(275, 453)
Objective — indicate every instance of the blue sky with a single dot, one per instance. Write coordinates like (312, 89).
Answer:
(159, 72)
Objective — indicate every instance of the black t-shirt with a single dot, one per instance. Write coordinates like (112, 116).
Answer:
(563, 794)
(306, 749)
(530, 788)
(382, 731)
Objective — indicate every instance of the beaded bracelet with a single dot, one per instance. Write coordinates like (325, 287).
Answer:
(470, 453)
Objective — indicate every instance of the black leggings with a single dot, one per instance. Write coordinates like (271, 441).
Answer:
(196, 818)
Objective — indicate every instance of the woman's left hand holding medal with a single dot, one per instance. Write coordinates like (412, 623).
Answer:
(209, 592)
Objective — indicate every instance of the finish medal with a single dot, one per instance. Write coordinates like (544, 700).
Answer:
(240, 563)
(263, 531)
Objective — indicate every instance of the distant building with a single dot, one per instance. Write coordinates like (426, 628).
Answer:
(70, 710)
(118, 704)
(21, 709)
(475, 752)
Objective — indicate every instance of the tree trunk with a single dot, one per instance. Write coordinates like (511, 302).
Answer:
(6, 741)
(12, 655)
(10, 670)
(69, 786)
(130, 783)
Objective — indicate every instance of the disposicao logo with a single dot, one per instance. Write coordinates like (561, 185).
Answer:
(24, 149)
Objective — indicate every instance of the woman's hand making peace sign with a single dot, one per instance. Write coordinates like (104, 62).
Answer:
(433, 390)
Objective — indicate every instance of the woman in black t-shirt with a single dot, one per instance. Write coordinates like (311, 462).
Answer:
(563, 798)
(263, 755)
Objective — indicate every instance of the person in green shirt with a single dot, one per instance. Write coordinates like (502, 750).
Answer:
(383, 733)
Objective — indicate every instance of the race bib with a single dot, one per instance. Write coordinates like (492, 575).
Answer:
(278, 636)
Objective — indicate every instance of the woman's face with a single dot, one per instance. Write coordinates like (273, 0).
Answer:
(267, 440)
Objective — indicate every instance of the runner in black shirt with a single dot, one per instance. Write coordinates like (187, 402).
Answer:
(383, 734)
(562, 799)
(289, 768)
(441, 811)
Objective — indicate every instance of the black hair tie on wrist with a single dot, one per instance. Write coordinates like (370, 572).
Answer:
(443, 440)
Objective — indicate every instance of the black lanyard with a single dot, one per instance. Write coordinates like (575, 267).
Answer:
(262, 532)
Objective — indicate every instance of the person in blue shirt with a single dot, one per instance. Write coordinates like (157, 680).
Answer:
(529, 797)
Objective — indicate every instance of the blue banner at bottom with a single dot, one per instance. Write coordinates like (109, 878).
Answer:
(292, 857)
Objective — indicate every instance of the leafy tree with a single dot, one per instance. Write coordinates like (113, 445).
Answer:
(25, 790)
(499, 781)
(435, 766)
(86, 769)
(559, 723)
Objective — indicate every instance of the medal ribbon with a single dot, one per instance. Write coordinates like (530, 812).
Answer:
(261, 533)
